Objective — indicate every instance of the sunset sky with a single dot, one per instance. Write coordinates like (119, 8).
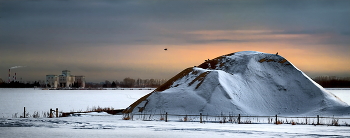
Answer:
(111, 40)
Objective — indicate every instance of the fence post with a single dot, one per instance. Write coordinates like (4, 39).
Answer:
(24, 112)
(56, 112)
(318, 119)
(276, 120)
(50, 113)
(306, 119)
(200, 118)
(166, 116)
(239, 119)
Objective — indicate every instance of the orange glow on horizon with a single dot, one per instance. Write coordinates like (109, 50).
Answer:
(153, 58)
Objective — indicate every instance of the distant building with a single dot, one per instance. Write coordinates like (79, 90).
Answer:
(51, 81)
(65, 80)
(80, 81)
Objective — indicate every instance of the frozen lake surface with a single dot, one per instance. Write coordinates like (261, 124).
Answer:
(343, 94)
(114, 126)
(13, 100)
(103, 125)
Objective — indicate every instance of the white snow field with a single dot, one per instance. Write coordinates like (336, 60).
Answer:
(105, 126)
(248, 83)
(12, 100)
(113, 126)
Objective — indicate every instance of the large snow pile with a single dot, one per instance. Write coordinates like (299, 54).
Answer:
(248, 82)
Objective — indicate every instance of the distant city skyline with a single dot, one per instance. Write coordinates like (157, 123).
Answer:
(112, 40)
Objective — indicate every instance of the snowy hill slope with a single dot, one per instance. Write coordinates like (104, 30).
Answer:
(247, 82)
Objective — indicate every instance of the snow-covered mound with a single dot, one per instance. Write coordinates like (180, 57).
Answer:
(248, 82)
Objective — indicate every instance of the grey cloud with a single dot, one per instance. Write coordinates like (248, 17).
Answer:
(213, 41)
(59, 23)
(57, 26)
(345, 33)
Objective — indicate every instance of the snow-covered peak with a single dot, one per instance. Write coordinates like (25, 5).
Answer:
(247, 82)
(247, 53)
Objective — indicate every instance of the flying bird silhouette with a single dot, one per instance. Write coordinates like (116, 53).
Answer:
(165, 49)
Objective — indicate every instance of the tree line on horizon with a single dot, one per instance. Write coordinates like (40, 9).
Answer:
(324, 81)
(125, 83)
(333, 81)
(17, 84)
(132, 83)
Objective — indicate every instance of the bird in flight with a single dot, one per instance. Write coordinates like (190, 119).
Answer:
(165, 49)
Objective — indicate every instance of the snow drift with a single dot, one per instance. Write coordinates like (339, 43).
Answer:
(248, 82)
